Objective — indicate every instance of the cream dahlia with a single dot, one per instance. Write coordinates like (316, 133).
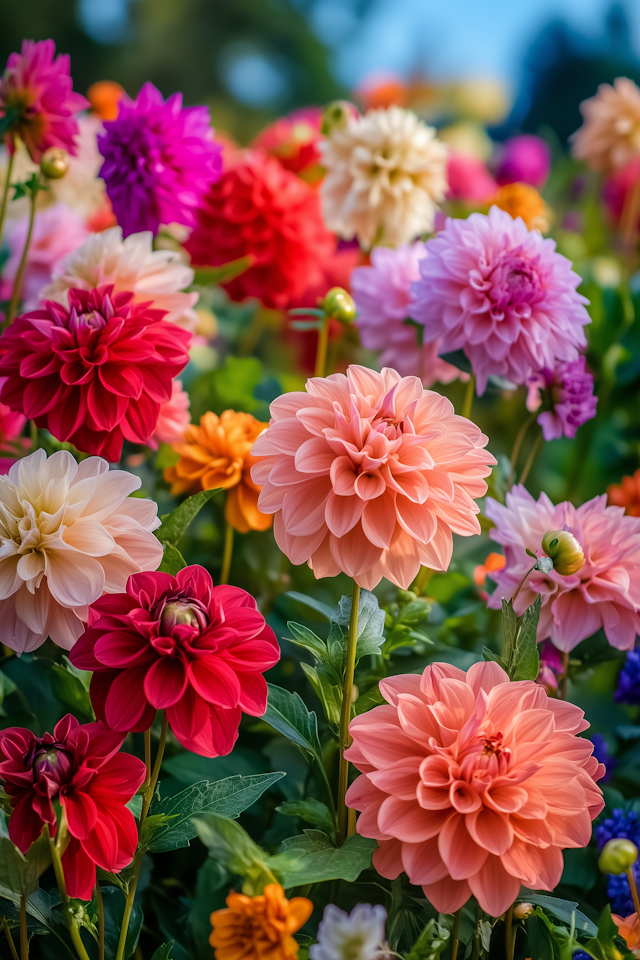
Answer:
(610, 135)
(386, 172)
(69, 532)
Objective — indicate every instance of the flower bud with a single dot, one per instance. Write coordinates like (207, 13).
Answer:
(54, 163)
(618, 856)
(336, 117)
(565, 551)
(179, 612)
(52, 762)
(523, 910)
(339, 305)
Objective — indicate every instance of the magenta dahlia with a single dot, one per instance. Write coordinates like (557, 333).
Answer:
(502, 294)
(159, 158)
(94, 374)
(565, 394)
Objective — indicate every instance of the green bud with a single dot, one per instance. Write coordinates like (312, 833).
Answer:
(523, 910)
(618, 856)
(54, 163)
(335, 117)
(565, 551)
(339, 305)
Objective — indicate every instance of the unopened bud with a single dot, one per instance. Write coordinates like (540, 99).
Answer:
(618, 856)
(565, 551)
(336, 116)
(523, 910)
(177, 613)
(339, 305)
(54, 163)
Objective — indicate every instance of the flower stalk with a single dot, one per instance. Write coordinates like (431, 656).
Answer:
(468, 396)
(522, 432)
(24, 939)
(100, 922)
(323, 342)
(531, 458)
(345, 713)
(17, 283)
(455, 936)
(7, 932)
(74, 931)
(227, 555)
(633, 886)
(5, 196)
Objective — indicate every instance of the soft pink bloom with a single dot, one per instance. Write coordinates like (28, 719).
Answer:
(524, 159)
(469, 179)
(605, 592)
(69, 532)
(174, 417)
(11, 426)
(382, 293)
(473, 785)
(370, 474)
(502, 294)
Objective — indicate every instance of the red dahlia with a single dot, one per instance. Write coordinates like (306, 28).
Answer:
(259, 208)
(181, 645)
(94, 374)
(80, 767)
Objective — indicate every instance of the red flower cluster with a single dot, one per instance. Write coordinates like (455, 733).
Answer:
(181, 645)
(80, 767)
(94, 374)
(294, 140)
(259, 208)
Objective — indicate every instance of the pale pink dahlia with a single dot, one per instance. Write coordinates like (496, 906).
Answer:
(382, 293)
(502, 294)
(473, 785)
(370, 474)
(174, 417)
(605, 592)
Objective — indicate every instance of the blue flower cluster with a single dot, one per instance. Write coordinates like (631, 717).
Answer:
(629, 680)
(626, 825)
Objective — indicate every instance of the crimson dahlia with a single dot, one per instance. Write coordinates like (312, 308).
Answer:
(94, 374)
(80, 767)
(181, 645)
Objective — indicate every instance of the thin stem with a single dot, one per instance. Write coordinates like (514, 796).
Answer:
(331, 804)
(7, 933)
(345, 713)
(100, 922)
(530, 459)
(321, 353)
(66, 905)
(24, 939)
(456, 934)
(509, 940)
(33, 432)
(17, 283)
(468, 396)
(228, 553)
(634, 890)
(521, 584)
(522, 432)
(5, 194)
(147, 758)
(422, 580)
(630, 214)
(565, 678)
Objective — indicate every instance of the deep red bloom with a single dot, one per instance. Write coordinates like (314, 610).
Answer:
(80, 767)
(94, 374)
(259, 208)
(293, 140)
(182, 645)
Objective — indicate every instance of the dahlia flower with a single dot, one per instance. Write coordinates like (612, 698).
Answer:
(626, 494)
(370, 474)
(259, 927)
(524, 159)
(173, 418)
(358, 935)
(95, 374)
(218, 454)
(604, 593)
(81, 769)
(294, 141)
(610, 135)
(39, 89)
(473, 785)
(502, 294)
(104, 97)
(11, 426)
(382, 293)
(468, 179)
(159, 159)
(568, 390)
(181, 645)
(386, 172)
(259, 209)
(523, 200)
(153, 276)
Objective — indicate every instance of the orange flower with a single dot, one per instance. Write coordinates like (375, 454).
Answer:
(629, 930)
(523, 200)
(495, 561)
(259, 928)
(104, 96)
(626, 494)
(217, 454)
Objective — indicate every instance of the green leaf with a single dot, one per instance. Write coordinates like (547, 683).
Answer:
(163, 952)
(316, 605)
(370, 624)
(329, 694)
(113, 901)
(234, 384)
(212, 886)
(71, 690)
(172, 560)
(18, 872)
(225, 272)
(367, 701)
(525, 662)
(431, 942)
(232, 847)
(564, 910)
(444, 586)
(288, 714)
(310, 810)
(313, 858)
(228, 798)
(175, 524)
(510, 627)
(490, 655)
(308, 640)
(7, 687)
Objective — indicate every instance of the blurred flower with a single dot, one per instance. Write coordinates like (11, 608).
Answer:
(624, 824)
(181, 645)
(80, 768)
(550, 670)
(502, 294)
(481, 98)
(523, 200)
(259, 209)
(617, 189)
(610, 135)
(382, 292)
(218, 454)
(11, 426)
(381, 90)
(603, 755)
(81, 189)
(524, 159)
(449, 790)
(495, 561)
(70, 532)
(152, 276)
(294, 140)
(568, 391)
(358, 935)
(469, 139)
(604, 593)
(364, 476)
(468, 179)
(259, 928)
(96, 374)
(173, 419)
(159, 159)
(386, 172)
(105, 96)
(626, 494)
(629, 930)
(628, 690)
(39, 90)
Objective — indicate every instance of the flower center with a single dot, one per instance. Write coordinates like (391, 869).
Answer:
(52, 764)
(515, 282)
(181, 622)
(91, 320)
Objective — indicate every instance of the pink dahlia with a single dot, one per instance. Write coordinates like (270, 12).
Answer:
(382, 293)
(468, 179)
(502, 294)
(605, 592)
(159, 159)
(181, 645)
(524, 159)
(370, 474)
(567, 395)
(173, 419)
(94, 374)
(36, 92)
(473, 785)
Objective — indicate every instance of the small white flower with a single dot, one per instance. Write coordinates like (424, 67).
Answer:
(358, 935)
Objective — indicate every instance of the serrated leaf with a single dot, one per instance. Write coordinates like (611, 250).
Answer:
(525, 662)
(113, 901)
(227, 798)
(313, 858)
(19, 872)
(510, 627)
(316, 605)
(163, 952)
(367, 701)
(175, 524)
(288, 714)
(490, 655)
(172, 560)
(329, 694)
(310, 810)
(370, 632)
(308, 640)
(231, 846)
(204, 276)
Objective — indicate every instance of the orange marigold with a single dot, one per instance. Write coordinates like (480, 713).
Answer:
(259, 928)
(626, 494)
(217, 454)
(523, 200)
(105, 96)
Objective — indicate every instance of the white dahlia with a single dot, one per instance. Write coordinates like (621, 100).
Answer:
(610, 135)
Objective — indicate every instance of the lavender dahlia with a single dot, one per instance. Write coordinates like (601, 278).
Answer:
(567, 392)
(159, 158)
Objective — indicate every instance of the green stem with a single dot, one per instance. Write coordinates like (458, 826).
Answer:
(345, 713)
(7, 933)
(321, 353)
(100, 922)
(634, 891)
(521, 584)
(530, 459)
(5, 194)
(24, 939)
(17, 283)
(422, 580)
(33, 432)
(455, 937)
(76, 939)
(522, 432)
(228, 553)
(468, 396)
(509, 939)
(565, 680)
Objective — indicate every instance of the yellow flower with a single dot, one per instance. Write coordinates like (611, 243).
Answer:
(259, 928)
(523, 200)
